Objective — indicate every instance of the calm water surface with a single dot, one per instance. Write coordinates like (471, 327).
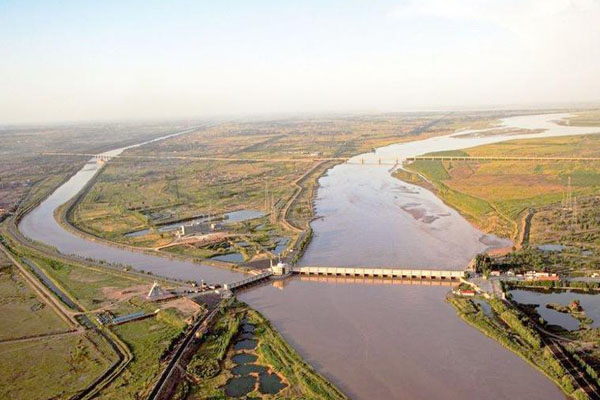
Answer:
(589, 302)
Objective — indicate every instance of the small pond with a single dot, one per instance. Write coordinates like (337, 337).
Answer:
(246, 344)
(281, 245)
(270, 383)
(551, 247)
(589, 302)
(239, 386)
(485, 306)
(243, 358)
(242, 215)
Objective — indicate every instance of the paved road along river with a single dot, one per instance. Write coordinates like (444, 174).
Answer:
(373, 341)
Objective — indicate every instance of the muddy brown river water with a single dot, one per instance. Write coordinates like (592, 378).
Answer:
(374, 341)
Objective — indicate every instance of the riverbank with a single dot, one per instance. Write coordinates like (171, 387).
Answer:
(511, 329)
(496, 196)
(245, 356)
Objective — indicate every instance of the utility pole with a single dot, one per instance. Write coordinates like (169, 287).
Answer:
(267, 206)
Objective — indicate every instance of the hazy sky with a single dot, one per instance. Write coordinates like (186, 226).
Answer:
(80, 60)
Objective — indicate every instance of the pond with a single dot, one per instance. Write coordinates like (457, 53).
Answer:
(485, 306)
(270, 383)
(551, 247)
(589, 302)
(242, 215)
(246, 344)
(243, 358)
(281, 245)
(239, 386)
(246, 369)
(137, 233)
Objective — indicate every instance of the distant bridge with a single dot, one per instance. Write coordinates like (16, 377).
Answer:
(497, 158)
(102, 157)
(371, 160)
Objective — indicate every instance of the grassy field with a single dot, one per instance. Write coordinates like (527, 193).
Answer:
(24, 164)
(42, 367)
(53, 368)
(89, 287)
(144, 194)
(81, 357)
(147, 339)
(301, 381)
(22, 313)
(494, 195)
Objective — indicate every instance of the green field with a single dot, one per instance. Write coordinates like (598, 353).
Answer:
(495, 195)
(54, 368)
(22, 313)
(147, 340)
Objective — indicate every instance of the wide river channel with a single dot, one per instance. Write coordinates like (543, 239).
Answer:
(387, 341)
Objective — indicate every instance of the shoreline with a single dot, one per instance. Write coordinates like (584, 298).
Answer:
(62, 216)
(512, 347)
(426, 184)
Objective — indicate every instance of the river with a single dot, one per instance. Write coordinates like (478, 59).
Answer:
(41, 226)
(373, 341)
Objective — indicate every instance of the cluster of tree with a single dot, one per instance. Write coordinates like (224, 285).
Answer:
(483, 264)
(589, 370)
(203, 367)
(582, 285)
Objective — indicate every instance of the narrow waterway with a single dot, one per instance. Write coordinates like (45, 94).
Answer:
(40, 225)
(373, 341)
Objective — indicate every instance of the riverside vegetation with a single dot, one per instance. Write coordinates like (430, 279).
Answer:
(515, 331)
(243, 349)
